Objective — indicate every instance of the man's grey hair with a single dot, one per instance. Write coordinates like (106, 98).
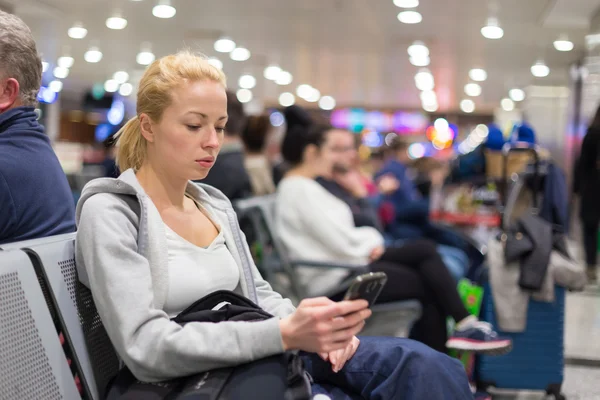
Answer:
(19, 58)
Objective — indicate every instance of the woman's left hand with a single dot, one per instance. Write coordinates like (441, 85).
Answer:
(338, 358)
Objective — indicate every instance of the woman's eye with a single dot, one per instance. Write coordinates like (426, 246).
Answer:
(193, 127)
(220, 130)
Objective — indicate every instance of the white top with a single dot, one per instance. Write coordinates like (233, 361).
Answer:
(315, 225)
(189, 267)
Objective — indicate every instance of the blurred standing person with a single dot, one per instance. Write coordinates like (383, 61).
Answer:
(228, 174)
(588, 183)
(35, 197)
(111, 170)
(259, 169)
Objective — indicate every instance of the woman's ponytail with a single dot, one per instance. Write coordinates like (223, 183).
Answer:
(131, 146)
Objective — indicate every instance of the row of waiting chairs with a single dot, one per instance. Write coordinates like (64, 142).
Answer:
(40, 295)
(389, 319)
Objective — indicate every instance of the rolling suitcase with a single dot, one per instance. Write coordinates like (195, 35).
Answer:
(536, 361)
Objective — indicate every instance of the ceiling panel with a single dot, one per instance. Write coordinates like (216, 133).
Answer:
(354, 50)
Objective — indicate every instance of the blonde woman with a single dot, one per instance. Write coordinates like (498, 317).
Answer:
(150, 243)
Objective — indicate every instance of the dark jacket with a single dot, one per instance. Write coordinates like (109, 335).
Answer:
(35, 198)
(555, 202)
(409, 205)
(589, 176)
(363, 210)
(229, 173)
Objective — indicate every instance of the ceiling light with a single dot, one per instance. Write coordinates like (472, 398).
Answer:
(430, 107)
(244, 95)
(467, 106)
(111, 86)
(145, 56)
(410, 17)
(478, 74)
(424, 80)
(441, 124)
(55, 86)
(240, 54)
(60, 72)
(77, 31)
(304, 91)
(540, 70)
(418, 50)
(93, 55)
(45, 66)
(126, 89)
(406, 3)
(315, 95)
(472, 89)
(215, 62)
(287, 99)
(563, 44)
(121, 77)
(272, 72)
(247, 81)
(516, 94)
(420, 62)
(284, 78)
(224, 45)
(116, 22)
(65, 61)
(164, 9)
(428, 97)
(492, 30)
(327, 103)
(507, 104)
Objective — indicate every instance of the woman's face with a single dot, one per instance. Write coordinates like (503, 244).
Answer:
(323, 159)
(188, 138)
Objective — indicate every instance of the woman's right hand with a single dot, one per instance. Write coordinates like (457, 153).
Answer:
(321, 325)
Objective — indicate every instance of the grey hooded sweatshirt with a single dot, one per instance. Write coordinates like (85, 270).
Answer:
(121, 256)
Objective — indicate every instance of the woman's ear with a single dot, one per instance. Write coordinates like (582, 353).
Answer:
(310, 153)
(146, 126)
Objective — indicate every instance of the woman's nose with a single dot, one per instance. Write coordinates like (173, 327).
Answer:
(212, 139)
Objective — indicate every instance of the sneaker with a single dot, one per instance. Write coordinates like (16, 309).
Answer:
(479, 337)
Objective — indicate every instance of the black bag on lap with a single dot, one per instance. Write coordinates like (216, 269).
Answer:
(279, 377)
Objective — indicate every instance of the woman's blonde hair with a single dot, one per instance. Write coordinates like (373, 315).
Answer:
(154, 96)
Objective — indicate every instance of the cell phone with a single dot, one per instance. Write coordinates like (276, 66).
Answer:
(366, 287)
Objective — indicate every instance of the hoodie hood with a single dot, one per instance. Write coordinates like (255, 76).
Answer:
(127, 184)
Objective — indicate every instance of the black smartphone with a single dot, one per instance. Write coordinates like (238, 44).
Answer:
(366, 287)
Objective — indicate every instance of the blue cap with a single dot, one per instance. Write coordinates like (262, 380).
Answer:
(495, 138)
(525, 133)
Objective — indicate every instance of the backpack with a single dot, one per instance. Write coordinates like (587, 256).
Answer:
(277, 377)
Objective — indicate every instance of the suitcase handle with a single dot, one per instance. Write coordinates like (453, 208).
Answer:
(507, 149)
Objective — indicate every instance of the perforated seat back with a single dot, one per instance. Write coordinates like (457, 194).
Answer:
(94, 352)
(32, 363)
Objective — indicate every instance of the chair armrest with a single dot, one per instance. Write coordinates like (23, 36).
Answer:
(329, 265)
(404, 305)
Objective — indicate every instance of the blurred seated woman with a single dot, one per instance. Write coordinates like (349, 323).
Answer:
(315, 225)
(152, 242)
(259, 169)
